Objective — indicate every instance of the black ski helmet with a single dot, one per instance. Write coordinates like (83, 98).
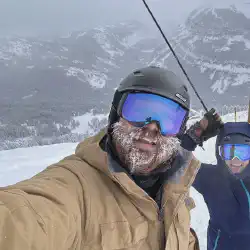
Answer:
(152, 79)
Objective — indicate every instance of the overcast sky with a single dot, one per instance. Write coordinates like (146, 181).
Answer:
(56, 17)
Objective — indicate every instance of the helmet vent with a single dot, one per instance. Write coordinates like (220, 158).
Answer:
(138, 73)
(227, 138)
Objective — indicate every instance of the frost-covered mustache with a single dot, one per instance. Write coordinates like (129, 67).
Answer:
(147, 136)
(127, 136)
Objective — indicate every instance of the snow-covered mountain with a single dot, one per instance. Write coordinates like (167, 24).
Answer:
(50, 90)
(214, 47)
(46, 85)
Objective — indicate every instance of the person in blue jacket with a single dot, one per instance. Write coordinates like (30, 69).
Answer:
(225, 188)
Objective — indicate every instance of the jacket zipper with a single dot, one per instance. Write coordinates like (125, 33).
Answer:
(160, 213)
(216, 240)
(247, 194)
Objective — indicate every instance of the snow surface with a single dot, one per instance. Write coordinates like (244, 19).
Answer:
(22, 163)
(94, 78)
(102, 39)
(85, 120)
(131, 40)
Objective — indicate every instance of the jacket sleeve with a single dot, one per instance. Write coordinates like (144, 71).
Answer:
(188, 143)
(203, 178)
(42, 213)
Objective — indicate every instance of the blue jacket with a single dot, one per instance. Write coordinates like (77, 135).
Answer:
(227, 199)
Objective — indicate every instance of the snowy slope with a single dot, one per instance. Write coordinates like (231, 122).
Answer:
(20, 164)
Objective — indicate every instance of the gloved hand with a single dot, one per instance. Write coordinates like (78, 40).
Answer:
(206, 128)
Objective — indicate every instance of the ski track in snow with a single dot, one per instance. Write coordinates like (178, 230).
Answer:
(22, 163)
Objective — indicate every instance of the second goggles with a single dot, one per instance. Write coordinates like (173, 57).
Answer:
(230, 151)
(143, 108)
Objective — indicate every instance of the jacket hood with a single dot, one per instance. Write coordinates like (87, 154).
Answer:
(238, 132)
(89, 150)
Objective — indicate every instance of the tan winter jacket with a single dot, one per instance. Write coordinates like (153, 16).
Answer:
(79, 204)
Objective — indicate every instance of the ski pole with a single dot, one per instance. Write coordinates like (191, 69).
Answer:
(248, 112)
(176, 57)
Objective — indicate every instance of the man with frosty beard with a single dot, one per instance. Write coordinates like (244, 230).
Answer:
(125, 188)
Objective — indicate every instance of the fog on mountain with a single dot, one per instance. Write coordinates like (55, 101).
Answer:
(59, 89)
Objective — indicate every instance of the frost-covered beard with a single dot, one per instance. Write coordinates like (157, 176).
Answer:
(137, 160)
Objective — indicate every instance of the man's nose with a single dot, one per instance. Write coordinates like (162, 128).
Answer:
(236, 160)
(153, 126)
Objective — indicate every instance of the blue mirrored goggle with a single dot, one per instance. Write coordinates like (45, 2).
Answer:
(143, 108)
(230, 151)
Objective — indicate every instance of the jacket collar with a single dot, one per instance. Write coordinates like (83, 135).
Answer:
(98, 152)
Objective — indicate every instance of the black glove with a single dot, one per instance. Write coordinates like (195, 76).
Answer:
(206, 128)
(214, 125)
